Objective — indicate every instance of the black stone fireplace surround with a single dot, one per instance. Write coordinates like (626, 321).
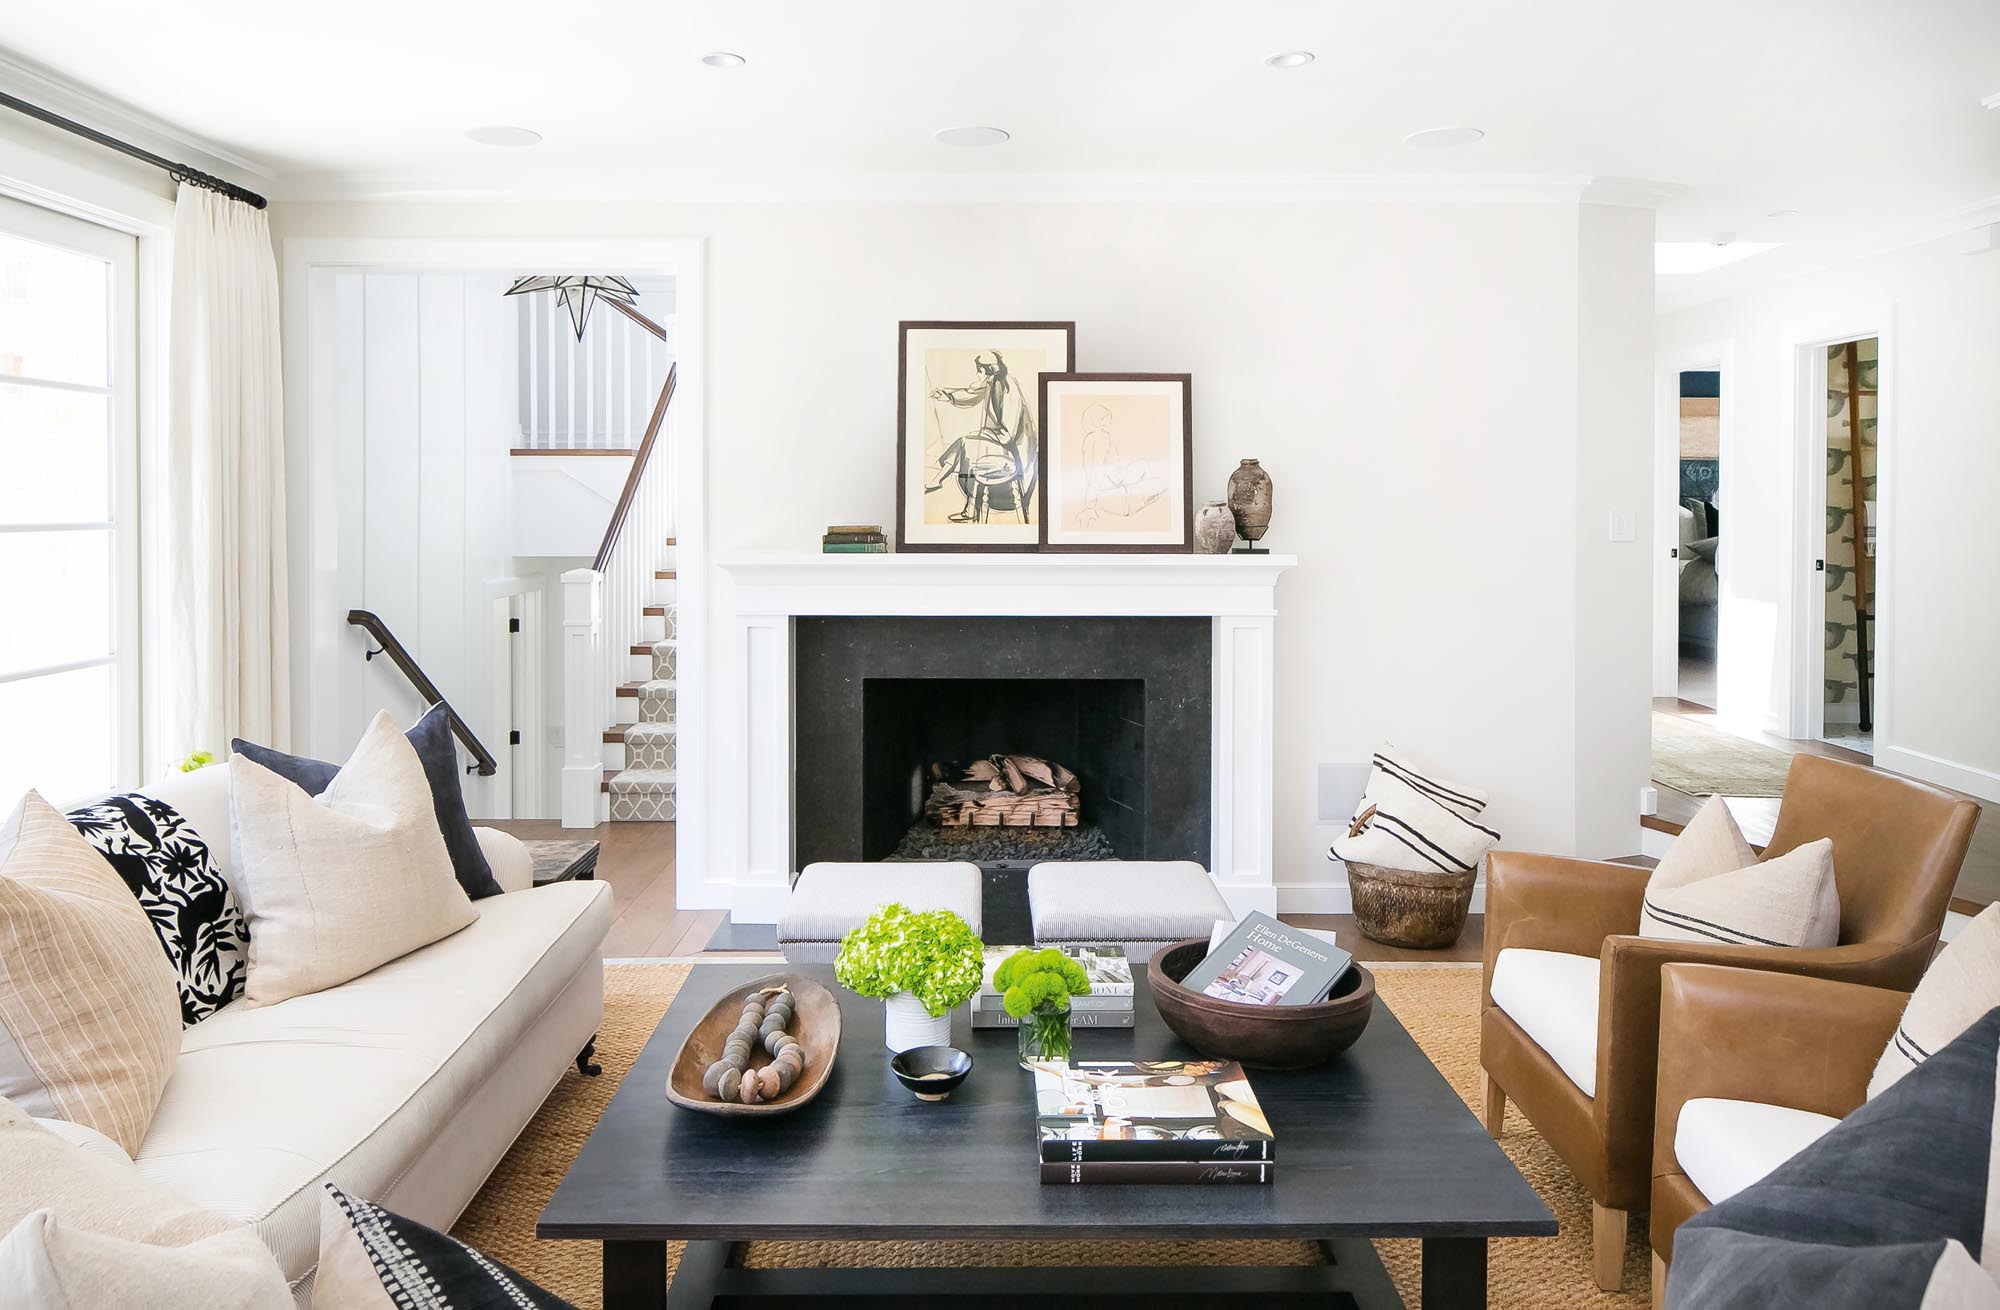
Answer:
(1123, 701)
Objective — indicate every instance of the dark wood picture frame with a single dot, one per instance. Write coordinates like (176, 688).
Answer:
(1186, 544)
(903, 331)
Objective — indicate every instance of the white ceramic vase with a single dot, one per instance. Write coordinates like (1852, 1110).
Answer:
(907, 1024)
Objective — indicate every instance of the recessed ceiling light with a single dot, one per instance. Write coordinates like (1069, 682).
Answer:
(723, 59)
(1290, 59)
(970, 136)
(1992, 101)
(1781, 213)
(1443, 138)
(499, 134)
(1677, 258)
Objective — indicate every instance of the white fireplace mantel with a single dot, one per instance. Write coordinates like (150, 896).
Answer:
(750, 852)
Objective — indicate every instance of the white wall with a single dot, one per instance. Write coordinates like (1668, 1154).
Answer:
(1938, 573)
(424, 406)
(1411, 373)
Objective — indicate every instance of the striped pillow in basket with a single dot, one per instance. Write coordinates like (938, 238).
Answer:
(1409, 818)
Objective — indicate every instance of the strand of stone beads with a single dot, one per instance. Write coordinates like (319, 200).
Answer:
(731, 1079)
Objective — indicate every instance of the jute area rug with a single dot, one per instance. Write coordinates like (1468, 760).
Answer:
(1702, 761)
(1437, 1005)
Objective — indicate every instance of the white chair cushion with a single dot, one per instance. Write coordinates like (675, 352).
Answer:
(350, 1083)
(1139, 903)
(830, 900)
(1724, 1146)
(1553, 996)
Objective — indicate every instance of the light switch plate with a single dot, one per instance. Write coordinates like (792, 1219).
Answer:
(1623, 525)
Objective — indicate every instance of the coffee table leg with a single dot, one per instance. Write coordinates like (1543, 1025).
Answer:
(635, 1275)
(1454, 1273)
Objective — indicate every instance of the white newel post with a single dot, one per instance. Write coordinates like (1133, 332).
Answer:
(583, 698)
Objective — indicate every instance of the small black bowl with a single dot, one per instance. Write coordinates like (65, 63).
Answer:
(932, 1072)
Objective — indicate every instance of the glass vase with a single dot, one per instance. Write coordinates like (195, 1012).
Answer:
(1044, 1036)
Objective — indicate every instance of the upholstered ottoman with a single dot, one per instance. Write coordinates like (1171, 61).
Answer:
(828, 901)
(1141, 905)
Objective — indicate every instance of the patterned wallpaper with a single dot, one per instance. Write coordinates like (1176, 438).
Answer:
(1843, 700)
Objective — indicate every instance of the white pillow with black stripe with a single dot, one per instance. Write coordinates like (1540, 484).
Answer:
(1409, 818)
(1961, 985)
(1711, 887)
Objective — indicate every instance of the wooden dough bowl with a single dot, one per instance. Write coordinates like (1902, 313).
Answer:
(815, 1022)
(1260, 1036)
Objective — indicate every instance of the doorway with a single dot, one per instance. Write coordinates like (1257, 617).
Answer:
(1697, 514)
(1851, 544)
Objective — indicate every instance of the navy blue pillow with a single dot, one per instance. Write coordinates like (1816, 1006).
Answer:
(432, 738)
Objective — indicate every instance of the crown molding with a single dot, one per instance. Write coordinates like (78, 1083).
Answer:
(1754, 275)
(51, 91)
(970, 188)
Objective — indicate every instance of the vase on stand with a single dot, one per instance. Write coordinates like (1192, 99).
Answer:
(906, 1024)
(1044, 1035)
(1250, 503)
(1214, 529)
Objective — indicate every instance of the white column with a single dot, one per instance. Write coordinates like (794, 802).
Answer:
(765, 816)
(583, 725)
(1241, 754)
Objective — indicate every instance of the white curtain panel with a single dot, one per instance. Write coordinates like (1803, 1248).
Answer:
(227, 671)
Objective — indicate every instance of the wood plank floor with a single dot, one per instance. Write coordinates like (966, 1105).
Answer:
(1978, 883)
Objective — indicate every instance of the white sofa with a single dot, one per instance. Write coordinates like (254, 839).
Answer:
(405, 1085)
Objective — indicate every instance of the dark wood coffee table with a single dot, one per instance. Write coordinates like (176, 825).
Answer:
(1375, 1144)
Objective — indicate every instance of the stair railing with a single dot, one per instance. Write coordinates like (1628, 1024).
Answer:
(371, 623)
(603, 605)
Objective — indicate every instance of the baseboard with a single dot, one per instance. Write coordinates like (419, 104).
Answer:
(1334, 897)
(1960, 777)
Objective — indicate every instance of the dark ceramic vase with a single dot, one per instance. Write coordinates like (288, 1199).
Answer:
(1250, 499)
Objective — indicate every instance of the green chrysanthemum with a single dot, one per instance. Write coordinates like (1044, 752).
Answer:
(1039, 982)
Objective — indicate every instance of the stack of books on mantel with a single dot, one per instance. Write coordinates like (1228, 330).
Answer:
(1109, 1004)
(854, 539)
(1157, 1121)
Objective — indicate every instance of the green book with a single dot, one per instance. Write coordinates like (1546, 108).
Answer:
(856, 548)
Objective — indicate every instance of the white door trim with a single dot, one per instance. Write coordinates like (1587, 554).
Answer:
(1802, 662)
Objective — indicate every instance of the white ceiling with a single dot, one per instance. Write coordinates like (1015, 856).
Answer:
(1863, 117)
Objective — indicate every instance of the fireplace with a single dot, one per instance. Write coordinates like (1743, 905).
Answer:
(1124, 702)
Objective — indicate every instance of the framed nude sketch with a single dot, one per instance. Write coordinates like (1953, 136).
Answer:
(1117, 459)
(968, 436)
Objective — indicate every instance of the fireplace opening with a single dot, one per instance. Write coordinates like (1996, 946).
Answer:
(1003, 772)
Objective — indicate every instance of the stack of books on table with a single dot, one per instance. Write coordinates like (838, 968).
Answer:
(854, 539)
(1151, 1121)
(1109, 1004)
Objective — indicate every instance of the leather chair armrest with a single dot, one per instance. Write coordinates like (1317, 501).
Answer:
(1549, 903)
(1776, 1038)
(1628, 1010)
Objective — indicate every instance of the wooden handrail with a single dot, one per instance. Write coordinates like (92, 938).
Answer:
(399, 655)
(645, 452)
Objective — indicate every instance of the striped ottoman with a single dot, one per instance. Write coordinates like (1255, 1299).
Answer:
(1141, 905)
(828, 901)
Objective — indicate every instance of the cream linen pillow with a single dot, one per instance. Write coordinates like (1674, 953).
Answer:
(1712, 888)
(335, 885)
(90, 1021)
(1961, 985)
(81, 1232)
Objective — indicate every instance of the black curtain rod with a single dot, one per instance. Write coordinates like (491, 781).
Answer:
(179, 172)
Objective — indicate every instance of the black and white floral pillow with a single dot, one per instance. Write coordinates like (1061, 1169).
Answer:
(192, 907)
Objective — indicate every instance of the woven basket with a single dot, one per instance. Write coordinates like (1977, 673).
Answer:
(1402, 907)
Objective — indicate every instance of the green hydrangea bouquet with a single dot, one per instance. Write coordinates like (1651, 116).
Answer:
(931, 956)
(1035, 986)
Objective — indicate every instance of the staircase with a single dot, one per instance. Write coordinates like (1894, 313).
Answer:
(641, 783)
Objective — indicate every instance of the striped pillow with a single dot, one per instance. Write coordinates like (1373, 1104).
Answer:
(1409, 818)
(1962, 984)
(90, 1018)
(1711, 887)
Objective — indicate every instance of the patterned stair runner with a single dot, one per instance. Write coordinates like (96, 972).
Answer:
(643, 791)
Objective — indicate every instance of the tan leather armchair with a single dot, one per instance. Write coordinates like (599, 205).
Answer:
(1897, 849)
(1753, 1035)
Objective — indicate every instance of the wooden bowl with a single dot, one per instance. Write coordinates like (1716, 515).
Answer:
(1260, 1036)
(815, 1022)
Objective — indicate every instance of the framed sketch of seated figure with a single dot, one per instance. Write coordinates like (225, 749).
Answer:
(968, 437)
(1117, 458)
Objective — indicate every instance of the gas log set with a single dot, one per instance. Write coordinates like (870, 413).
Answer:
(1003, 791)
